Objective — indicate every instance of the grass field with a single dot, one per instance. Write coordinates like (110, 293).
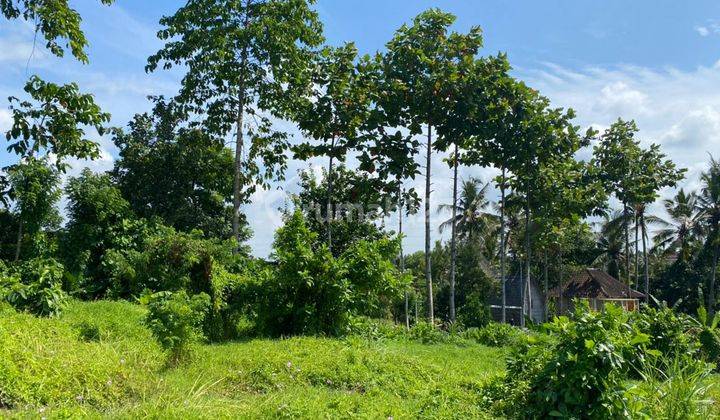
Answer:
(98, 360)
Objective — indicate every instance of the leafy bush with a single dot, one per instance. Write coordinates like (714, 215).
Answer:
(426, 333)
(475, 313)
(584, 374)
(496, 335)
(35, 286)
(373, 280)
(175, 320)
(667, 330)
(309, 291)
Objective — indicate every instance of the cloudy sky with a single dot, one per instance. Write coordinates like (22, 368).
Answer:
(654, 61)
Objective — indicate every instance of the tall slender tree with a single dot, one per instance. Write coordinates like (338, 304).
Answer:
(246, 63)
(334, 112)
(709, 207)
(424, 58)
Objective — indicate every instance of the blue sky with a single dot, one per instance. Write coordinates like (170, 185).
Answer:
(654, 61)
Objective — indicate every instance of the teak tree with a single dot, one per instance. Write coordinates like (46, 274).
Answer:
(423, 59)
(333, 113)
(55, 21)
(245, 59)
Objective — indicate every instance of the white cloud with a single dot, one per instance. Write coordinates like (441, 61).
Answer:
(710, 27)
(680, 110)
(5, 120)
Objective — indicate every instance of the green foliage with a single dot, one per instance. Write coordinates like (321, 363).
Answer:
(372, 279)
(35, 192)
(56, 21)
(182, 176)
(584, 373)
(496, 335)
(100, 220)
(307, 293)
(355, 195)
(62, 112)
(35, 286)
(175, 320)
(668, 330)
(679, 389)
(426, 333)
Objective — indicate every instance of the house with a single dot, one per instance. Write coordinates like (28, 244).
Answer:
(534, 306)
(598, 288)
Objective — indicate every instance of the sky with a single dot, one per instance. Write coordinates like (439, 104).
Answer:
(654, 61)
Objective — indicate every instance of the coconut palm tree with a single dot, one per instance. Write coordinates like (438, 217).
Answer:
(610, 244)
(683, 227)
(473, 220)
(708, 204)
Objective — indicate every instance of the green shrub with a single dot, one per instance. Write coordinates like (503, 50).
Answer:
(175, 320)
(475, 313)
(667, 330)
(496, 335)
(35, 286)
(426, 333)
(373, 280)
(584, 374)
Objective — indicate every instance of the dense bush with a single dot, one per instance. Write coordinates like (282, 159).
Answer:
(35, 286)
(175, 319)
(667, 330)
(309, 291)
(496, 335)
(100, 220)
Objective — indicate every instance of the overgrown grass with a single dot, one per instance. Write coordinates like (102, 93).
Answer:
(98, 360)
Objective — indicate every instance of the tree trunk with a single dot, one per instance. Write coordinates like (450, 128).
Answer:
(645, 258)
(237, 181)
(627, 245)
(560, 285)
(545, 286)
(19, 240)
(711, 292)
(330, 214)
(502, 246)
(453, 233)
(637, 270)
(428, 267)
(402, 256)
(526, 281)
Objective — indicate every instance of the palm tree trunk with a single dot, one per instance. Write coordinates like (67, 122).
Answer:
(502, 245)
(18, 246)
(645, 258)
(428, 273)
(452, 237)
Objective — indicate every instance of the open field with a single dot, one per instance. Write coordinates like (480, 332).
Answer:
(57, 368)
